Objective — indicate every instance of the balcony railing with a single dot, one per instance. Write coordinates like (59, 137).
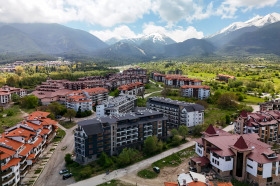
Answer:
(5, 181)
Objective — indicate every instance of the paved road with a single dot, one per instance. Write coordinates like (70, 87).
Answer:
(50, 175)
(138, 166)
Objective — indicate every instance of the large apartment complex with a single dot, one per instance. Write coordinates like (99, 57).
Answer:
(195, 91)
(6, 94)
(136, 88)
(174, 80)
(178, 112)
(85, 98)
(270, 105)
(55, 90)
(242, 156)
(22, 145)
(264, 123)
(121, 104)
(111, 134)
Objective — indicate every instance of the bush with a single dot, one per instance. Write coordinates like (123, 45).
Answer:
(29, 101)
(104, 160)
(176, 140)
(85, 172)
(196, 131)
(68, 159)
(10, 113)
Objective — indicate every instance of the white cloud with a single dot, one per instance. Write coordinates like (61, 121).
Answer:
(178, 34)
(102, 12)
(189, 10)
(229, 7)
(119, 33)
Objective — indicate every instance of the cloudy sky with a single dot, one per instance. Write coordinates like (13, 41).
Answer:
(178, 19)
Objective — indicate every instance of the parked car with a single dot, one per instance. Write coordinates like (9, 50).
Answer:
(156, 169)
(66, 176)
(193, 169)
(63, 171)
(231, 123)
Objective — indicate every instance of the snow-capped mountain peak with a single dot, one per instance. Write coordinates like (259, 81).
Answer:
(257, 21)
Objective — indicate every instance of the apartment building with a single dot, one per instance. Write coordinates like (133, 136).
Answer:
(244, 157)
(174, 80)
(22, 145)
(270, 105)
(51, 91)
(223, 77)
(264, 123)
(78, 101)
(121, 104)
(135, 71)
(195, 91)
(136, 88)
(97, 95)
(111, 134)
(6, 94)
(178, 112)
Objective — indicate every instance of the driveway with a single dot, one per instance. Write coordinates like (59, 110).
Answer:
(50, 174)
(137, 166)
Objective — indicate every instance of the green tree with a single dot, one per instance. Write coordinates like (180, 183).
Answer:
(196, 131)
(127, 156)
(15, 98)
(115, 93)
(227, 101)
(29, 101)
(176, 140)
(68, 159)
(227, 119)
(104, 160)
(183, 131)
(70, 114)
(150, 145)
(174, 132)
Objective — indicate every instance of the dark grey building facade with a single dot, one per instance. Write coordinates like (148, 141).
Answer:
(111, 134)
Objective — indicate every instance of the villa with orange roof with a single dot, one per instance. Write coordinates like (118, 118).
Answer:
(244, 157)
(23, 144)
(77, 99)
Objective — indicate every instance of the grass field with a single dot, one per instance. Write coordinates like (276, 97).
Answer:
(213, 115)
(114, 183)
(13, 117)
(59, 135)
(252, 100)
(67, 124)
(152, 88)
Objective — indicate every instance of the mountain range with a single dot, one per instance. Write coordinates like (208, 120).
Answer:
(258, 35)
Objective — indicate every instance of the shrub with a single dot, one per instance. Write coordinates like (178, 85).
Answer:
(68, 159)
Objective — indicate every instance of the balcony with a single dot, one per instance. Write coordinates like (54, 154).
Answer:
(6, 173)
(23, 166)
(5, 181)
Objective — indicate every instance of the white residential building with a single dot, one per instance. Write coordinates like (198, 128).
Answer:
(195, 91)
(120, 104)
(178, 112)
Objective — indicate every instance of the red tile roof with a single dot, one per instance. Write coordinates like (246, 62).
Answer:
(45, 131)
(12, 143)
(12, 162)
(241, 144)
(210, 130)
(170, 184)
(21, 132)
(37, 142)
(201, 160)
(27, 148)
(96, 90)
(6, 153)
(31, 156)
(38, 114)
(224, 184)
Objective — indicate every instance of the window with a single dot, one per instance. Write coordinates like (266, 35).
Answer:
(249, 166)
(228, 158)
(91, 152)
(260, 165)
(259, 172)
(90, 146)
